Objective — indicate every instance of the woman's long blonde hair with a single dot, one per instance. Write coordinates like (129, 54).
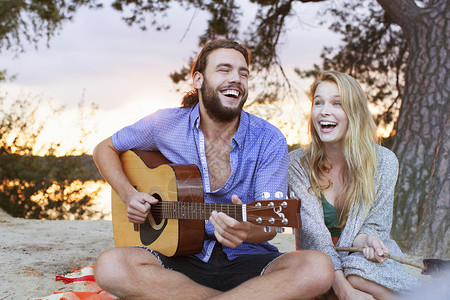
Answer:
(359, 148)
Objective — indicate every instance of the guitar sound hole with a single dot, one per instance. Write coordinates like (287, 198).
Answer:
(156, 210)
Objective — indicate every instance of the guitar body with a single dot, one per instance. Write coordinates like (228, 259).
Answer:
(152, 173)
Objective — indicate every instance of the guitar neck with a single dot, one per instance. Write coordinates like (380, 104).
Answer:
(284, 212)
(196, 211)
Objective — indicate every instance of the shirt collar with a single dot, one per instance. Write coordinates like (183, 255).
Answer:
(195, 117)
(238, 137)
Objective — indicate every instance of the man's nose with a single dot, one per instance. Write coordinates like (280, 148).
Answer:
(234, 76)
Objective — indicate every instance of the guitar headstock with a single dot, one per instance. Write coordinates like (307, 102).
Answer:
(277, 212)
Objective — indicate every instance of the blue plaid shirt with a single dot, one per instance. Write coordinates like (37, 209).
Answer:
(259, 160)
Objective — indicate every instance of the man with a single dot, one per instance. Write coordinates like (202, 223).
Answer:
(240, 156)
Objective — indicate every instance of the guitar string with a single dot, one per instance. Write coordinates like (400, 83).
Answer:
(201, 210)
(169, 204)
(162, 207)
(155, 208)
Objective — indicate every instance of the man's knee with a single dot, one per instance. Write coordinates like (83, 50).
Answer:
(110, 267)
(103, 266)
(316, 268)
(326, 268)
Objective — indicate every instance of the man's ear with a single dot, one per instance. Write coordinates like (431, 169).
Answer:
(197, 80)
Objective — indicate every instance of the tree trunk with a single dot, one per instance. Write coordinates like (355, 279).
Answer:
(422, 143)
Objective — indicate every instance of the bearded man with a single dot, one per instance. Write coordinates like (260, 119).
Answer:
(240, 157)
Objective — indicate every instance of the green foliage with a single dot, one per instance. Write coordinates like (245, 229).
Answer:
(224, 19)
(30, 20)
(18, 128)
(44, 187)
(373, 51)
(262, 38)
(138, 11)
(264, 35)
(373, 48)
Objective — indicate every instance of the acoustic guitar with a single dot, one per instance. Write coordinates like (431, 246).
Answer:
(176, 226)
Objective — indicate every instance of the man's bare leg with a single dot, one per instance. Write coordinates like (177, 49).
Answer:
(295, 275)
(131, 273)
(134, 273)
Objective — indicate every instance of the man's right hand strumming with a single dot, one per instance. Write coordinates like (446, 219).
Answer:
(138, 207)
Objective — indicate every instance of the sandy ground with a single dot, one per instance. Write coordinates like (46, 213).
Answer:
(33, 252)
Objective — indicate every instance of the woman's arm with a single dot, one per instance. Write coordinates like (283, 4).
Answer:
(313, 234)
(379, 218)
(378, 222)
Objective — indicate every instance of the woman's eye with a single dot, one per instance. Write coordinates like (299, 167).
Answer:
(318, 102)
(337, 103)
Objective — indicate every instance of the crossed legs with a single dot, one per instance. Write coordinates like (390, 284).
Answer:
(133, 273)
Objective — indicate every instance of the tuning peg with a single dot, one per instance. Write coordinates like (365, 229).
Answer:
(265, 195)
(267, 229)
(278, 195)
(280, 229)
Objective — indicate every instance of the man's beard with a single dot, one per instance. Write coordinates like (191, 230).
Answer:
(214, 107)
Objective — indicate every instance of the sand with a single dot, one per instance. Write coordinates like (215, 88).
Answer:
(34, 252)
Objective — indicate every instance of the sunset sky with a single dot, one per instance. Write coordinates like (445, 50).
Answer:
(100, 59)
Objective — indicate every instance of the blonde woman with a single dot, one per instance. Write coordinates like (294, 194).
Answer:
(346, 182)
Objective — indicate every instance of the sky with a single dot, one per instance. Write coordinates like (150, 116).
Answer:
(97, 58)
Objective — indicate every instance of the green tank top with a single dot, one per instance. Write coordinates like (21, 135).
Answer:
(331, 218)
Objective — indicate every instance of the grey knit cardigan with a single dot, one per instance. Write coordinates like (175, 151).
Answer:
(378, 221)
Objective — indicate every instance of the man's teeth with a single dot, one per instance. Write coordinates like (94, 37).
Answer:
(231, 93)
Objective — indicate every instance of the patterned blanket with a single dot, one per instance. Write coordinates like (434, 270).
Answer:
(81, 285)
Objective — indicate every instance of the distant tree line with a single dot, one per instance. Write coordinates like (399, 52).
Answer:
(40, 187)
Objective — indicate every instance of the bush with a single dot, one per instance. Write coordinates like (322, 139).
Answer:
(41, 187)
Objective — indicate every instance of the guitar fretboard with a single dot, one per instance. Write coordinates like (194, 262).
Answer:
(193, 210)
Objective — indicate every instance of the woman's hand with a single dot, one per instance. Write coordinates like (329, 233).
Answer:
(356, 295)
(374, 248)
(344, 290)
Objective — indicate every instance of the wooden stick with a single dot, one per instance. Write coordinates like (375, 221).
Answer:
(391, 256)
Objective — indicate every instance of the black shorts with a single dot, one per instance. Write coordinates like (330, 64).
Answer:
(218, 273)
